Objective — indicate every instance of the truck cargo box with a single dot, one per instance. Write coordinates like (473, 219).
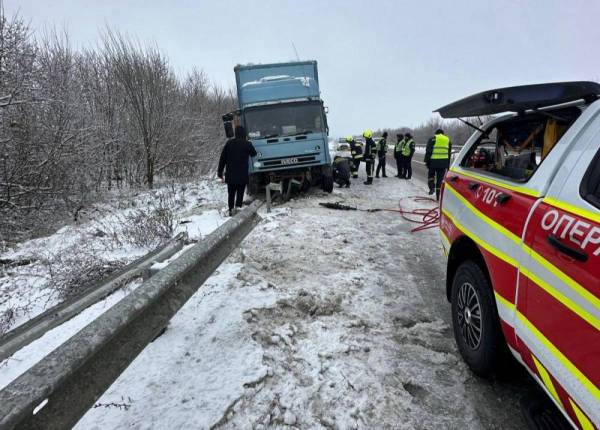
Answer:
(270, 83)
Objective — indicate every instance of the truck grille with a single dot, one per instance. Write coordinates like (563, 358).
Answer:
(292, 160)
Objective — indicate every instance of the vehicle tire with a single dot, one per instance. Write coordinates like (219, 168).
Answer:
(327, 179)
(253, 185)
(475, 320)
(327, 184)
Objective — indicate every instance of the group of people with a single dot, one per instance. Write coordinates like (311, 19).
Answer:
(437, 158)
(233, 163)
(368, 152)
(403, 153)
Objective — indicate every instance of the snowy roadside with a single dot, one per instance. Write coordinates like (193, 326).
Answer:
(109, 237)
(17, 364)
(320, 320)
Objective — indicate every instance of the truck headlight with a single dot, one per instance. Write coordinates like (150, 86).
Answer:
(257, 164)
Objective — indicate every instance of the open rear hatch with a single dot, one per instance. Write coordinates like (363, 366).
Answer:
(520, 99)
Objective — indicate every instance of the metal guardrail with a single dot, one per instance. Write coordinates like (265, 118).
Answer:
(36, 327)
(69, 380)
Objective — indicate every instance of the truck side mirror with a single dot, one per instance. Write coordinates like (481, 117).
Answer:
(228, 129)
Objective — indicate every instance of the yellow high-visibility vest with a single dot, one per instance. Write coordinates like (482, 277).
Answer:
(441, 147)
(399, 146)
(406, 147)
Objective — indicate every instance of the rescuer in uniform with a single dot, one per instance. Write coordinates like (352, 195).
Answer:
(357, 155)
(408, 150)
(398, 154)
(381, 154)
(234, 160)
(369, 155)
(341, 171)
(437, 160)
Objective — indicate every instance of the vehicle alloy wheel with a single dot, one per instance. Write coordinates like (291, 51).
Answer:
(469, 315)
(475, 321)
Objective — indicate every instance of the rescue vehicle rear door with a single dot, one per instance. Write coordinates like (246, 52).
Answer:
(558, 303)
(520, 98)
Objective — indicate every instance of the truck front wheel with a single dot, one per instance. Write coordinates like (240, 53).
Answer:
(475, 320)
(327, 179)
(253, 185)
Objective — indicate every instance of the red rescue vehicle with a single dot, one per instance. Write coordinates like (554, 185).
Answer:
(520, 226)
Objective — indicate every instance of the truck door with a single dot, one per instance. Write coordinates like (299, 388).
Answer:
(558, 303)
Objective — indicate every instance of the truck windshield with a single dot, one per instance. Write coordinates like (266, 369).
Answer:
(284, 120)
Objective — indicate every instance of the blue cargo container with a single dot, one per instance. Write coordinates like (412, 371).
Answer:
(281, 108)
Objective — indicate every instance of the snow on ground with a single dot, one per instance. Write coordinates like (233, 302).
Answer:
(322, 319)
(26, 291)
(198, 226)
(198, 367)
(29, 355)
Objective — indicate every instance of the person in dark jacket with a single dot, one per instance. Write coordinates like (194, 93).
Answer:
(369, 155)
(398, 155)
(408, 150)
(437, 160)
(381, 155)
(341, 171)
(357, 155)
(234, 160)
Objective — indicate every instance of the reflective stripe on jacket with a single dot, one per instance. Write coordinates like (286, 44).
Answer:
(370, 148)
(356, 150)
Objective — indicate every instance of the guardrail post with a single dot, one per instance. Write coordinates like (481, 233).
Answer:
(272, 186)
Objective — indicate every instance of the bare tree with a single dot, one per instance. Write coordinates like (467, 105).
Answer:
(149, 86)
(75, 123)
(458, 131)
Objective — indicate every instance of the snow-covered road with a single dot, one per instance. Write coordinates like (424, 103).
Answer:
(322, 319)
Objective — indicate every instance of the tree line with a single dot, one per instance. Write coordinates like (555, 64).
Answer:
(457, 131)
(76, 123)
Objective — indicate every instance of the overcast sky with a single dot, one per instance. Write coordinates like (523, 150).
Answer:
(381, 63)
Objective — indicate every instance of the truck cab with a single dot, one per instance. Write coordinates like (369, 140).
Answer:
(281, 109)
(520, 226)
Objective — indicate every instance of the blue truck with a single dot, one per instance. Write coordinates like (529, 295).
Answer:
(281, 109)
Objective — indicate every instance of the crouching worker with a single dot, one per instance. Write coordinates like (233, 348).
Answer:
(234, 160)
(341, 171)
